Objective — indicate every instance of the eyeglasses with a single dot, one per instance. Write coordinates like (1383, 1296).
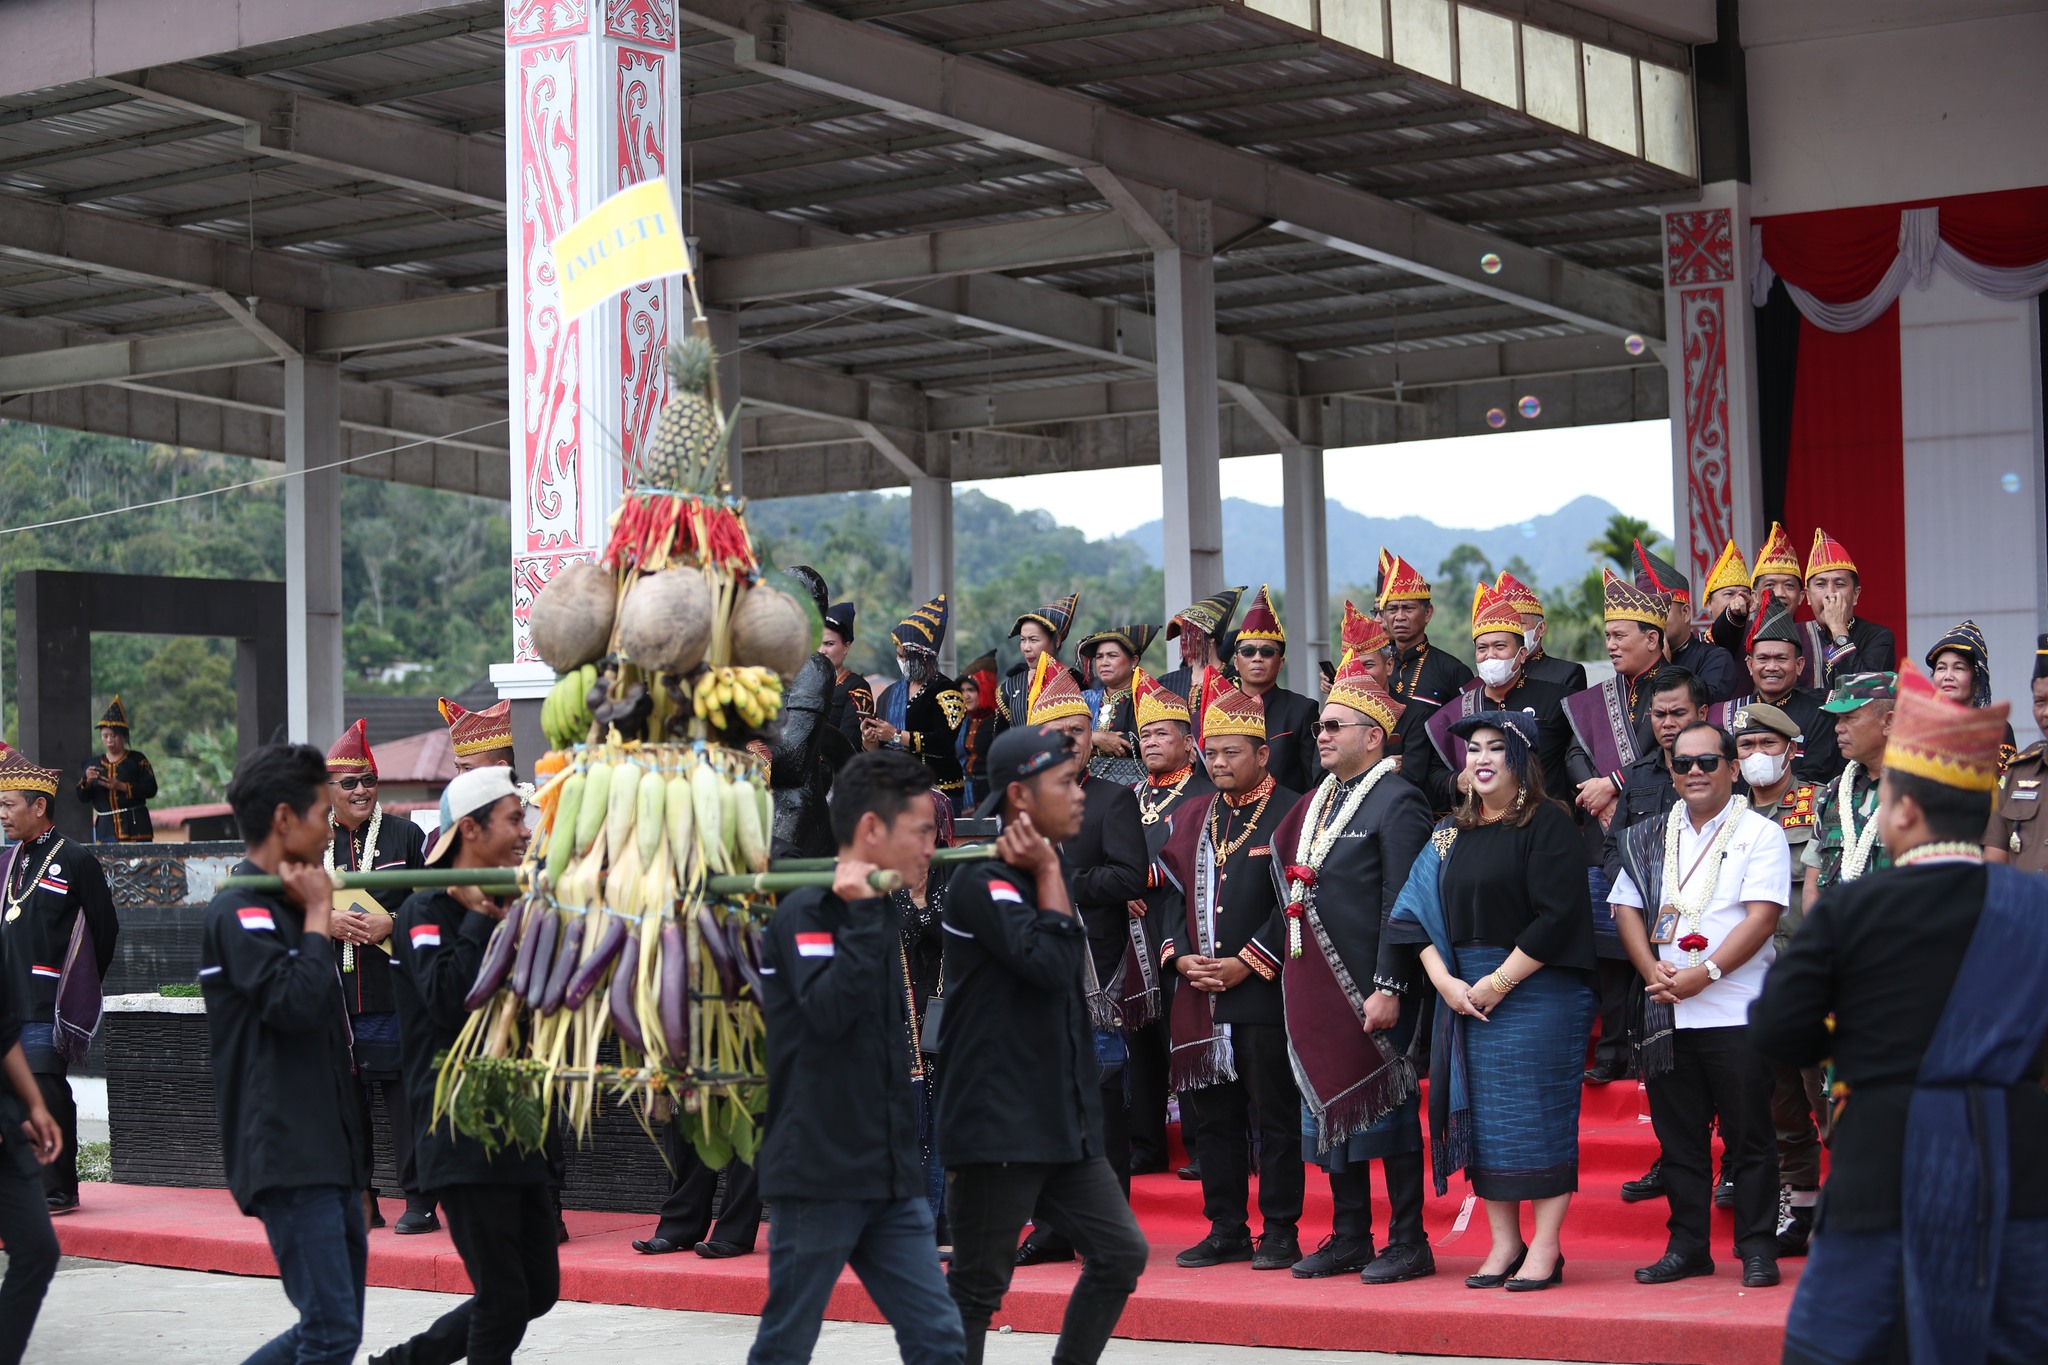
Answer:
(349, 784)
(1685, 763)
(1258, 652)
(1331, 727)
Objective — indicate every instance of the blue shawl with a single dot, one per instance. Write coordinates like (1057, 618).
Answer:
(1450, 1101)
(1956, 1126)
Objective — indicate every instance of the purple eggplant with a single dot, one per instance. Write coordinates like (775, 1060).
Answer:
(546, 934)
(715, 943)
(591, 970)
(624, 1022)
(498, 955)
(742, 961)
(675, 990)
(565, 966)
(522, 968)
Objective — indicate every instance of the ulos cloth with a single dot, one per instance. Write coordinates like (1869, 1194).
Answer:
(1757, 866)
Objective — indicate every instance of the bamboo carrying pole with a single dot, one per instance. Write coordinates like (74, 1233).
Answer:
(789, 874)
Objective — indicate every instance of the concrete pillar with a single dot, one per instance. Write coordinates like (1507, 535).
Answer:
(590, 108)
(312, 551)
(931, 550)
(1305, 526)
(725, 340)
(1189, 441)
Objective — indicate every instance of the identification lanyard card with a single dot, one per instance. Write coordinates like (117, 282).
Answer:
(1665, 929)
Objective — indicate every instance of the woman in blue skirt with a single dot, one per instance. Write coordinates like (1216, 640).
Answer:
(1511, 953)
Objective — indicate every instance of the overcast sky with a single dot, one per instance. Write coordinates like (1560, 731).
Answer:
(1518, 474)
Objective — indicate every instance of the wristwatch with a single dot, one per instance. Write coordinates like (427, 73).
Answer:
(1841, 640)
(1390, 994)
(1713, 972)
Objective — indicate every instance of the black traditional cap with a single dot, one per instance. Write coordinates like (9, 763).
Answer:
(1774, 622)
(985, 664)
(1966, 639)
(814, 584)
(1056, 617)
(1133, 638)
(839, 617)
(924, 628)
(1020, 753)
(1211, 615)
(116, 717)
(1653, 574)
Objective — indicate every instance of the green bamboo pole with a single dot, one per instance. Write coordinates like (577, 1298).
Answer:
(504, 881)
(965, 853)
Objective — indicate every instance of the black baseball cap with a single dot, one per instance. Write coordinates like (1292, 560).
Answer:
(1020, 753)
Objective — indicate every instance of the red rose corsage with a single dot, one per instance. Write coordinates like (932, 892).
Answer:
(1301, 872)
(1693, 943)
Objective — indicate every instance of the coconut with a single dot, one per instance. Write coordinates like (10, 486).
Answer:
(666, 622)
(572, 618)
(771, 628)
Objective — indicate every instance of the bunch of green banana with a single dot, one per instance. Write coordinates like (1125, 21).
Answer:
(565, 716)
(753, 694)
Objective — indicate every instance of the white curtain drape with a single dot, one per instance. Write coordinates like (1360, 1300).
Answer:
(1921, 252)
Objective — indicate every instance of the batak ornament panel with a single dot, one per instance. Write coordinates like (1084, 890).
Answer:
(1703, 342)
(154, 880)
(536, 21)
(530, 573)
(1699, 247)
(650, 21)
(643, 314)
(550, 400)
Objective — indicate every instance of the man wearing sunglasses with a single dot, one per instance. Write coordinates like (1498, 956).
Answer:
(366, 840)
(1261, 652)
(1701, 941)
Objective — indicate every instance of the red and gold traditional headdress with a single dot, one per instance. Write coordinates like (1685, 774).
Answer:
(17, 774)
(1233, 712)
(1492, 612)
(1728, 572)
(1519, 594)
(1399, 581)
(1624, 601)
(1260, 621)
(1054, 693)
(1360, 635)
(1153, 701)
(477, 732)
(1357, 689)
(1828, 555)
(1777, 555)
(351, 753)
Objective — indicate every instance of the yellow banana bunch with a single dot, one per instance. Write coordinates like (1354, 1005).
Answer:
(752, 693)
(565, 714)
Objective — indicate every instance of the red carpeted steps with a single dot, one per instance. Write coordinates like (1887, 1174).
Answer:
(1599, 1314)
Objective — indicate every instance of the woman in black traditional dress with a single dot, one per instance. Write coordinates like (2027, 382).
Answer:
(1512, 891)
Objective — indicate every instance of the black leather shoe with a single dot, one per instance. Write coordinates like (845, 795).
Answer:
(414, 1221)
(1606, 1073)
(1650, 1185)
(1795, 1230)
(1759, 1272)
(1035, 1253)
(1151, 1165)
(1400, 1261)
(397, 1355)
(1336, 1256)
(1191, 1171)
(720, 1251)
(561, 1231)
(1724, 1192)
(1672, 1267)
(1518, 1285)
(1214, 1250)
(1496, 1281)
(657, 1246)
(59, 1206)
(1276, 1251)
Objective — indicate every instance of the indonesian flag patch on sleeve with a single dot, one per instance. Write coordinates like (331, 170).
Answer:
(426, 936)
(814, 945)
(1005, 891)
(255, 919)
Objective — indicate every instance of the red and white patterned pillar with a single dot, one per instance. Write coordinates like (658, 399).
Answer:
(589, 109)
(1710, 356)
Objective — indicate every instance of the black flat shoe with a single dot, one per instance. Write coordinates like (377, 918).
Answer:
(1035, 1253)
(59, 1207)
(1496, 1281)
(1759, 1272)
(1672, 1267)
(657, 1246)
(1191, 1171)
(721, 1251)
(1555, 1277)
(1214, 1250)
(1276, 1251)
(1336, 1256)
(415, 1221)
(1606, 1073)
(1400, 1262)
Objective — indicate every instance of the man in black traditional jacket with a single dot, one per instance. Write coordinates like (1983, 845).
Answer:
(1774, 662)
(1543, 667)
(1351, 1019)
(1705, 660)
(1504, 683)
(59, 933)
(1424, 678)
(921, 712)
(118, 784)
(29, 1140)
(1839, 643)
(1105, 866)
(1261, 651)
(1228, 945)
(852, 698)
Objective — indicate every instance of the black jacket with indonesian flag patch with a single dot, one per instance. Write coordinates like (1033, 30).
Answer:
(51, 883)
(283, 1082)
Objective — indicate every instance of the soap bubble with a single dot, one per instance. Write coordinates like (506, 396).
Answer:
(1490, 263)
(1531, 406)
(1635, 345)
(2010, 483)
(1496, 419)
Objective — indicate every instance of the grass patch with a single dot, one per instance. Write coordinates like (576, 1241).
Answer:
(180, 990)
(96, 1161)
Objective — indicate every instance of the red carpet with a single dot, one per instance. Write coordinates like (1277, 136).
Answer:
(1599, 1314)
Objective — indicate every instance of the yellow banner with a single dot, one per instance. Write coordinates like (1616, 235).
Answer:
(629, 239)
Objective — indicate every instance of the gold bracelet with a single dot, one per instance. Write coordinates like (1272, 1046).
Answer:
(1501, 983)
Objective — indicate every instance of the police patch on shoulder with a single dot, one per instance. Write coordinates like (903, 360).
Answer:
(954, 706)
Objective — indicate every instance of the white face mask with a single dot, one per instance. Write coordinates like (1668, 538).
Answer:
(1761, 770)
(903, 665)
(1496, 672)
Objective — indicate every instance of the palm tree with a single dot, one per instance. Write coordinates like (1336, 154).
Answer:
(1618, 539)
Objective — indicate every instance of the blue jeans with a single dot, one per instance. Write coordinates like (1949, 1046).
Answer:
(888, 1242)
(316, 1233)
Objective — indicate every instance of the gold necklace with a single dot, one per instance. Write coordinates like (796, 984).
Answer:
(1251, 825)
(1150, 812)
(1405, 686)
(16, 901)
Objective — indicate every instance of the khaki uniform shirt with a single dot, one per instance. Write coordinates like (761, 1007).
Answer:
(2016, 823)
(1793, 813)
